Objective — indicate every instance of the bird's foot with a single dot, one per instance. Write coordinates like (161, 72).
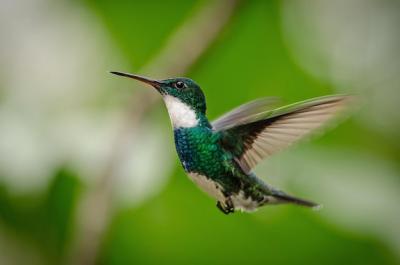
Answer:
(226, 207)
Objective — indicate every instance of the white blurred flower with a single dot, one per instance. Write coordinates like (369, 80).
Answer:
(351, 44)
(53, 68)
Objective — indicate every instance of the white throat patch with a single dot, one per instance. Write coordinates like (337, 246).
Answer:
(181, 114)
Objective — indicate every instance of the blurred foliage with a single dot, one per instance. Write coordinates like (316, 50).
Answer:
(181, 225)
(141, 28)
(46, 219)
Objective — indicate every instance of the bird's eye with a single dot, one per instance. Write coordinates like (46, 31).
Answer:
(179, 85)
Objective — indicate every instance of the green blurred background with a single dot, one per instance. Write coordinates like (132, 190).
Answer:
(88, 170)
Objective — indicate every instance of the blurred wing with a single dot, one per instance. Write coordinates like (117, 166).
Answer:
(244, 113)
(277, 129)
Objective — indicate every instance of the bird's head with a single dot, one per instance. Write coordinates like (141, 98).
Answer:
(185, 100)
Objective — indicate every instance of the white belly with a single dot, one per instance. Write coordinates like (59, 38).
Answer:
(239, 201)
(242, 203)
(248, 204)
(208, 186)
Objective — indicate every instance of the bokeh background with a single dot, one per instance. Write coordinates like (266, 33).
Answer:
(88, 170)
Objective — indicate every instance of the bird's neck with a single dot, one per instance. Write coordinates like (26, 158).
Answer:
(183, 115)
(193, 146)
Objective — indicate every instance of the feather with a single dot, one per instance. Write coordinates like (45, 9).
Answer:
(251, 140)
(244, 113)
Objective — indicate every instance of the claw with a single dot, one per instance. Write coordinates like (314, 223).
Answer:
(226, 207)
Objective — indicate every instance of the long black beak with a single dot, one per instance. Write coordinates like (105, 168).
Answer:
(156, 84)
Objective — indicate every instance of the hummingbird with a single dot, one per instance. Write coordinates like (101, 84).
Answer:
(219, 156)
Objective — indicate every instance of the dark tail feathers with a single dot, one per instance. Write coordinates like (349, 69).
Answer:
(285, 198)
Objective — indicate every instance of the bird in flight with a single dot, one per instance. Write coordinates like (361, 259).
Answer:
(219, 156)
